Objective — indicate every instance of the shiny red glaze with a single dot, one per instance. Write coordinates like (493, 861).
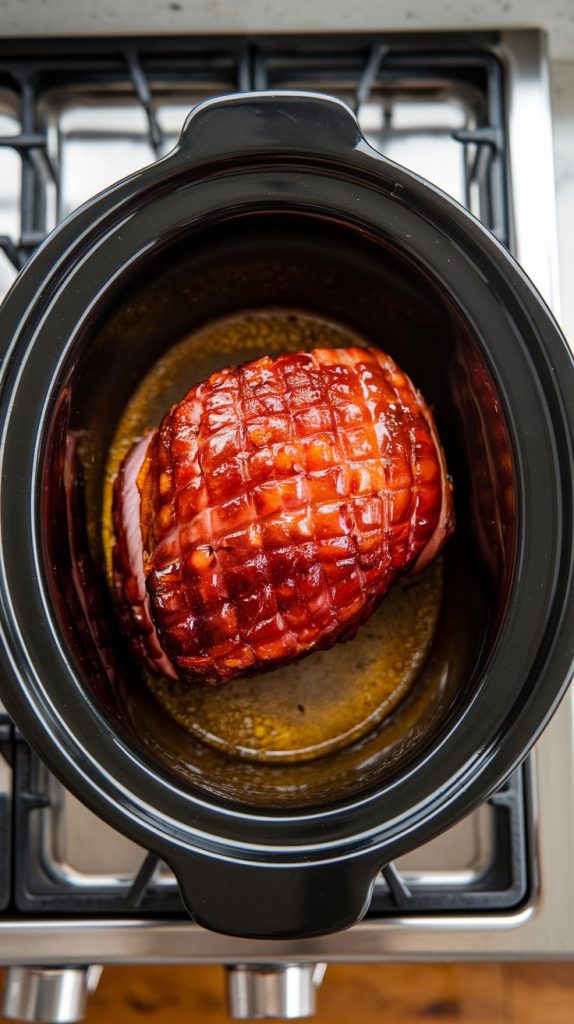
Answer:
(278, 502)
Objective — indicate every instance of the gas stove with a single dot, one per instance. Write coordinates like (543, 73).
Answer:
(471, 113)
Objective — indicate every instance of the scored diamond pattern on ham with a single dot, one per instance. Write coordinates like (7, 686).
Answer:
(272, 510)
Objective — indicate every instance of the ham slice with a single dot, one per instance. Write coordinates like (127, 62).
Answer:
(128, 564)
(272, 510)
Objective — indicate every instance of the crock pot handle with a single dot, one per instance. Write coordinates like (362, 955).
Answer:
(268, 122)
(260, 901)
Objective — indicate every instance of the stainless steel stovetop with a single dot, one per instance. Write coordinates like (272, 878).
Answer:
(96, 131)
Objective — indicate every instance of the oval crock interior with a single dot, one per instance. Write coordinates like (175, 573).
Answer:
(333, 271)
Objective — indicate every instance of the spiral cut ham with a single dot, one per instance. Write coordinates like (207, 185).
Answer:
(272, 510)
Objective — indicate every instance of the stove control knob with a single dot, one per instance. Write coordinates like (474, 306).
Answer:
(48, 995)
(273, 991)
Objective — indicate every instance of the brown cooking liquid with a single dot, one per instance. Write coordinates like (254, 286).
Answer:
(333, 698)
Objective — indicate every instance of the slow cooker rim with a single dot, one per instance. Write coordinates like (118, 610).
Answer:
(65, 250)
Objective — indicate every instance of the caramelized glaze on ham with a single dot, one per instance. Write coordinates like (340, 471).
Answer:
(272, 510)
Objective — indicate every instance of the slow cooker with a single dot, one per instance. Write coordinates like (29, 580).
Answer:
(275, 200)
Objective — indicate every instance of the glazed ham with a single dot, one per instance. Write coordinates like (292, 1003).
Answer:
(272, 510)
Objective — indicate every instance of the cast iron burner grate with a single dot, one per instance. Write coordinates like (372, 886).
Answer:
(42, 886)
(415, 96)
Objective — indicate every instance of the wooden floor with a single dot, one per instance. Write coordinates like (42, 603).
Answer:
(374, 994)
